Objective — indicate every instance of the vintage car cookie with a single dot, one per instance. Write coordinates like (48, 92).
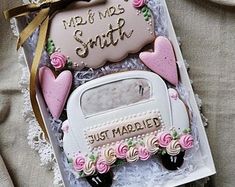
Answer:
(123, 117)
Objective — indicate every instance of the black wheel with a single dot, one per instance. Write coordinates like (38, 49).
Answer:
(173, 162)
(101, 180)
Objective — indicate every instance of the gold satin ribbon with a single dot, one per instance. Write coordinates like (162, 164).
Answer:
(41, 20)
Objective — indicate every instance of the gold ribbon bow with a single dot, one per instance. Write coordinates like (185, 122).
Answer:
(45, 11)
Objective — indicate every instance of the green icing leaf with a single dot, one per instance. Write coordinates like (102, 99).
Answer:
(146, 13)
(70, 160)
(69, 63)
(185, 131)
(92, 157)
(82, 174)
(163, 152)
(130, 144)
(189, 130)
(142, 143)
(174, 134)
(177, 137)
(50, 46)
(119, 162)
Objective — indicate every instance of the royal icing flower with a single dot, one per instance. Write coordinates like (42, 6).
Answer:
(173, 148)
(79, 163)
(173, 93)
(65, 126)
(164, 139)
(132, 154)
(110, 156)
(152, 145)
(121, 150)
(138, 3)
(186, 141)
(58, 60)
(89, 168)
(144, 154)
(102, 166)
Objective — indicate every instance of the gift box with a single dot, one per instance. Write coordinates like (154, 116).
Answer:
(202, 162)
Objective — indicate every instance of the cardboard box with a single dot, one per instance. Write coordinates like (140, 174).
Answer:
(204, 170)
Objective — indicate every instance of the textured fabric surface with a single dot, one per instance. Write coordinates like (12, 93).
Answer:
(207, 33)
(21, 161)
(4, 175)
(225, 2)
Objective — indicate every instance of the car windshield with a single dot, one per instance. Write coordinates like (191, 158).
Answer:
(115, 94)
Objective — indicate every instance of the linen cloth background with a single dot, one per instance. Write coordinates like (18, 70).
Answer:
(207, 33)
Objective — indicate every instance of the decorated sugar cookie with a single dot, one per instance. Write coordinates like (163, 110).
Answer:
(55, 90)
(95, 29)
(173, 157)
(123, 117)
(179, 111)
(162, 60)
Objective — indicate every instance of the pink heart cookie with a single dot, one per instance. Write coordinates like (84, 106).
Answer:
(162, 61)
(55, 90)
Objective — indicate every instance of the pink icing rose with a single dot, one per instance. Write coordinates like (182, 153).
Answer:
(79, 163)
(58, 60)
(138, 3)
(102, 166)
(121, 150)
(143, 153)
(173, 93)
(65, 126)
(164, 139)
(186, 141)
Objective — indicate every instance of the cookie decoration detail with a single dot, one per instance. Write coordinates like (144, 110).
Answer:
(55, 90)
(162, 60)
(117, 132)
(179, 112)
(93, 30)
